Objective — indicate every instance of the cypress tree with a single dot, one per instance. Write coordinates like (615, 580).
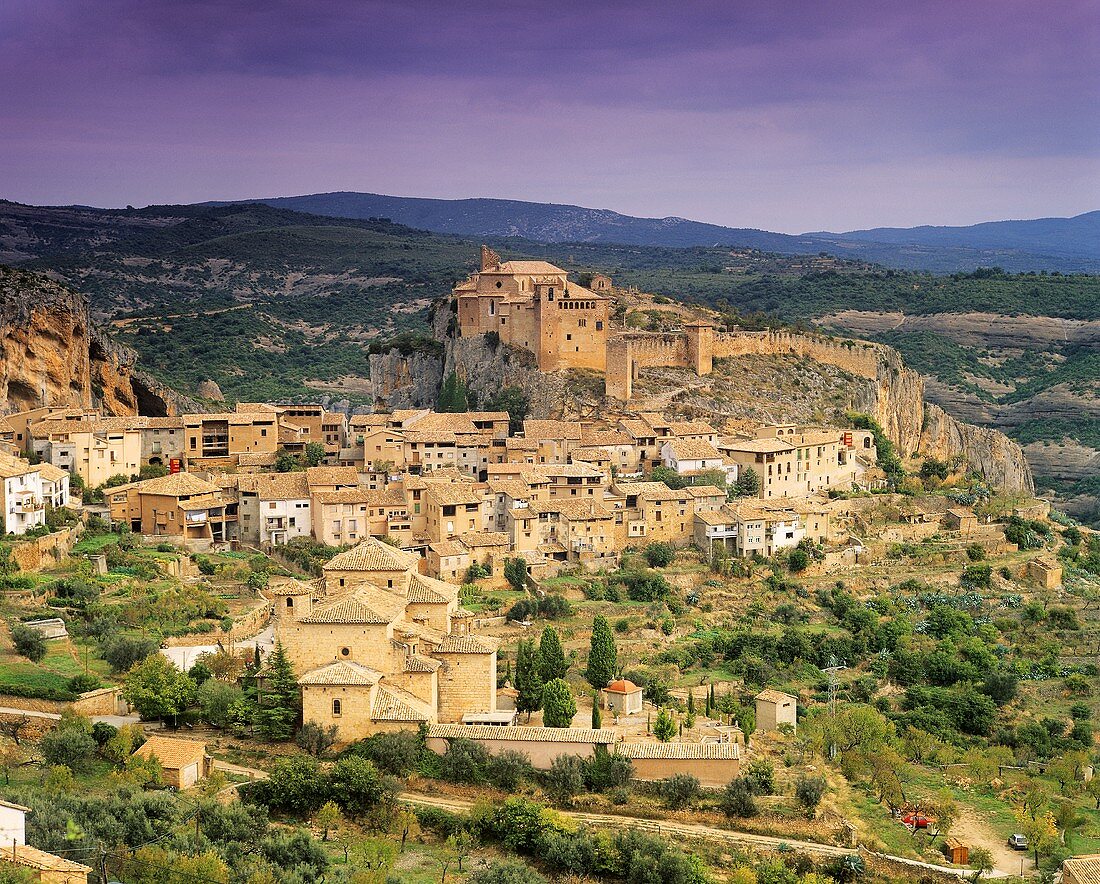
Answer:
(528, 679)
(691, 701)
(559, 707)
(602, 655)
(552, 662)
(597, 716)
(280, 701)
(663, 727)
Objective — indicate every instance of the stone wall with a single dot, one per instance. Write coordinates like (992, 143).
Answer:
(467, 683)
(45, 552)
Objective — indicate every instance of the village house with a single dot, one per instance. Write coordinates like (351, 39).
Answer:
(179, 505)
(94, 448)
(23, 504)
(690, 457)
(183, 762)
(795, 462)
(532, 305)
(273, 508)
(37, 864)
(216, 440)
(746, 528)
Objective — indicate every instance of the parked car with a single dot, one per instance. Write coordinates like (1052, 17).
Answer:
(1017, 841)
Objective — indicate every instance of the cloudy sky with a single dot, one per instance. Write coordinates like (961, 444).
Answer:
(790, 115)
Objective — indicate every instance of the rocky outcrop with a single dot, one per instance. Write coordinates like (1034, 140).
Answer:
(208, 389)
(405, 380)
(52, 354)
(989, 452)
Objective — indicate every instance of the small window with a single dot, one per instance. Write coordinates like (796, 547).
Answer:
(599, 325)
(289, 602)
(337, 708)
(345, 652)
(499, 283)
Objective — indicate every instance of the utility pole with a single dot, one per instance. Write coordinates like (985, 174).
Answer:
(103, 864)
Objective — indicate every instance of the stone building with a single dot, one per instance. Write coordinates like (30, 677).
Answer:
(533, 305)
(379, 646)
(774, 708)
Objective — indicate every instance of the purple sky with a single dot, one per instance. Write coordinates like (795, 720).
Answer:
(789, 115)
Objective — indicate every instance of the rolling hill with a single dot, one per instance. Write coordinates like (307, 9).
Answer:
(1062, 244)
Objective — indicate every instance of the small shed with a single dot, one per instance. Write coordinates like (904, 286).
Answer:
(962, 520)
(774, 708)
(622, 697)
(1045, 571)
(956, 852)
(184, 762)
(44, 867)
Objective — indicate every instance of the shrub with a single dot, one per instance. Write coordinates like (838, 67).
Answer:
(122, 652)
(798, 560)
(28, 642)
(508, 871)
(659, 554)
(975, 552)
(508, 769)
(464, 762)
(679, 791)
(737, 800)
(523, 610)
(397, 754)
(760, 777)
(607, 770)
(314, 738)
(809, 792)
(554, 607)
(69, 744)
(83, 682)
(565, 779)
(558, 705)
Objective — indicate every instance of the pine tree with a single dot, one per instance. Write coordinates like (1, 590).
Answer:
(552, 662)
(528, 679)
(280, 702)
(597, 716)
(602, 655)
(663, 728)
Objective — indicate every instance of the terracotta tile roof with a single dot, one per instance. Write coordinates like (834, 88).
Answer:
(516, 489)
(417, 663)
(570, 470)
(277, 486)
(448, 548)
(455, 493)
(176, 485)
(691, 428)
(772, 696)
(10, 468)
(476, 539)
(442, 422)
(349, 610)
(552, 430)
(172, 753)
(393, 704)
(757, 446)
(483, 416)
(400, 415)
(372, 555)
(256, 459)
(5, 425)
(332, 476)
(289, 586)
(368, 496)
(516, 443)
(466, 644)
(33, 858)
(590, 436)
(368, 420)
(690, 751)
(531, 268)
(662, 492)
(1082, 869)
(622, 686)
(591, 453)
(705, 491)
(603, 736)
(341, 672)
(439, 437)
(693, 449)
(429, 591)
(637, 429)
(631, 488)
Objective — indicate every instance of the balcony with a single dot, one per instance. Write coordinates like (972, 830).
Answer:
(29, 505)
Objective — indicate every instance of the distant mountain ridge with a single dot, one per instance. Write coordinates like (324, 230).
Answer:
(1063, 244)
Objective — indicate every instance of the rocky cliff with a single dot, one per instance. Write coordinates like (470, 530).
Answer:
(803, 378)
(52, 354)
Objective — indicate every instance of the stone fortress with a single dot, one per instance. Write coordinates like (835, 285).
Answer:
(533, 305)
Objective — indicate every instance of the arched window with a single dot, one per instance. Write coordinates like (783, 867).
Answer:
(289, 602)
(336, 707)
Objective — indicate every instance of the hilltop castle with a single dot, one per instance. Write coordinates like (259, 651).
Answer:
(533, 305)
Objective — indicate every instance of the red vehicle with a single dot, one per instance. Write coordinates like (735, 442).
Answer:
(915, 819)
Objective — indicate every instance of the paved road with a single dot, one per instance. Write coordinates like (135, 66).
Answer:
(693, 830)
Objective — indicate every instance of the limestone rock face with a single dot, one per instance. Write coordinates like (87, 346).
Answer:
(398, 380)
(51, 354)
(209, 389)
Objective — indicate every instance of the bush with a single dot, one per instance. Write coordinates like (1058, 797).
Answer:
(554, 607)
(123, 652)
(737, 800)
(607, 770)
(508, 871)
(565, 779)
(464, 762)
(523, 610)
(28, 642)
(679, 791)
(397, 754)
(314, 738)
(659, 554)
(83, 682)
(508, 769)
(975, 552)
(760, 777)
(558, 705)
(809, 792)
(798, 560)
